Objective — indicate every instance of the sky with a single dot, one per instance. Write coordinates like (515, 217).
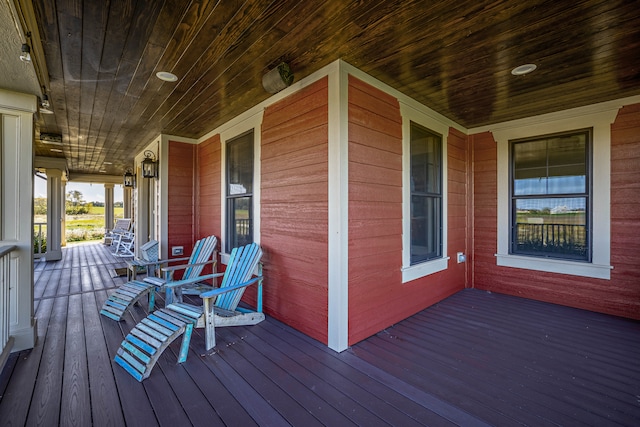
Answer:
(90, 192)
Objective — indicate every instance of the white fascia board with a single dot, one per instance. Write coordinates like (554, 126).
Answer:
(16, 101)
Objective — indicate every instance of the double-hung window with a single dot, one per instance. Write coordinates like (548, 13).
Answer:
(239, 190)
(426, 194)
(551, 196)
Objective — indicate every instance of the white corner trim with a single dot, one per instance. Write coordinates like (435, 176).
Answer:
(338, 233)
(177, 138)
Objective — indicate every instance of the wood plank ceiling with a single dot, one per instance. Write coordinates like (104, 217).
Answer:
(454, 57)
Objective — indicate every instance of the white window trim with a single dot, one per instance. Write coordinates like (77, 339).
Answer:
(413, 272)
(564, 121)
(252, 122)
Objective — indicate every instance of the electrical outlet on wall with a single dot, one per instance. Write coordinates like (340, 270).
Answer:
(461, 257)
(177, 250)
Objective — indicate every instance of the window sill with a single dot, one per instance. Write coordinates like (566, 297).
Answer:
(574, 268)
(224, 258)
(424, 269)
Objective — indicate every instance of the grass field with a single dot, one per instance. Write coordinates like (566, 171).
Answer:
(86, 227)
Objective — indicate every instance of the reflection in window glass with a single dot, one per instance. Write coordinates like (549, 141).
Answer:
(239, 191)
(550, 195)
(426, 194)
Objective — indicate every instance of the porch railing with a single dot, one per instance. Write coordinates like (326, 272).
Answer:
(39, 239)
(6, 340)
(567, 239)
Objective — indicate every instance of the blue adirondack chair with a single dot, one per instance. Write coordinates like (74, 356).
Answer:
(131, 292)
(145, 343)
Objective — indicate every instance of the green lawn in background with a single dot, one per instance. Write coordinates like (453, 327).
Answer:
(86, 227)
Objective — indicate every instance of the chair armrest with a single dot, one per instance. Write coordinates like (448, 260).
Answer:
(143, 263)
(215, 292)
(156, 281)
(178, 283)
(185, 266)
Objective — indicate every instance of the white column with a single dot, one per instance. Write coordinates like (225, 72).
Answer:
(126, 195)
(16, 202)
(63, 218)
(338, 233)
(55, 212)
(108, 207)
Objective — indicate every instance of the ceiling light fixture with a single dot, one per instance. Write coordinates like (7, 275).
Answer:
(521, 70)
(25, 53)
(51, 138)
(166, 76)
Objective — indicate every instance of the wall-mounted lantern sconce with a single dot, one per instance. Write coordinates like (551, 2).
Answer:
(149, 165)
(278, 78)
(129, 178)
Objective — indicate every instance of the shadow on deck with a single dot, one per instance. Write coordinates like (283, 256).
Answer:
(476, 358)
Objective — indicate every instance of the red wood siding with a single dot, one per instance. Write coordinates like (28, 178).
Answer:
(377, 297)
(625, 214)
(181, 195)
(485, 205)
(294, 203)
(209, 164)
(458, 209)
(620, 295)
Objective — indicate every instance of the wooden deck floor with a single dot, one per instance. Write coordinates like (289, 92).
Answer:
(474, 359)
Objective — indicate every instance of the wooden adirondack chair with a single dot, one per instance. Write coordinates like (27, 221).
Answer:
(149, 260)
(131, 292)
(142, 347)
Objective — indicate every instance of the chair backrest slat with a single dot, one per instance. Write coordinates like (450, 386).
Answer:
(242, 263)
(122, 224)
(202, 251)
(149, 250)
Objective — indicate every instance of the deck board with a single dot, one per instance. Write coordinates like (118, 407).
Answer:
(45, 402)
(75, 381)
(103, 389)
(474, 359)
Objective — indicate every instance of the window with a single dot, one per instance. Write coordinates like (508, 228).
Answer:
(239, 190)
(551, 196)
(426, 194)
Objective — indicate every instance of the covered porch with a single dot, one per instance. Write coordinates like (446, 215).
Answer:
(476, 358)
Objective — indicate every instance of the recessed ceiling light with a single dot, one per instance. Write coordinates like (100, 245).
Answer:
(166, 76)
(521, 70)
